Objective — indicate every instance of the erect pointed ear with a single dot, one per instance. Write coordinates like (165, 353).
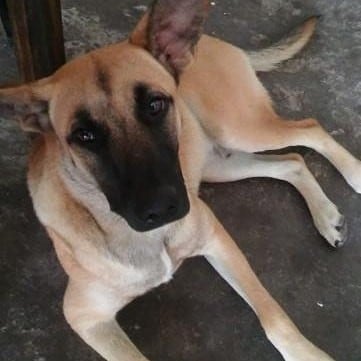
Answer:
(28, 104)
(170, 30)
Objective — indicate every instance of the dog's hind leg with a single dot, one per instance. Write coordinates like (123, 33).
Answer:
(226, 166)
(90, 310)
(224, 255)
(277, 134)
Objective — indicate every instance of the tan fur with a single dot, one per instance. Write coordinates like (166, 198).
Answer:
(223, 111)
(269, 58)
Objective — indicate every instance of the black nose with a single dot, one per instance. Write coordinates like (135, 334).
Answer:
(159, 207)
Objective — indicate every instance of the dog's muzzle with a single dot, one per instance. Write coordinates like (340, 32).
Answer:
(157, 207)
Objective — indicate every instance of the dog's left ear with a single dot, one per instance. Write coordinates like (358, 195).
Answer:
(28, 104)
(170, 30)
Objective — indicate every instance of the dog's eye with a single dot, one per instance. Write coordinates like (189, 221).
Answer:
(85, 136)
(86, 132)
(151, 106)
(158, 106)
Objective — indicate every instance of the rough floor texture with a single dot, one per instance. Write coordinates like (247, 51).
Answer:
(197, 316)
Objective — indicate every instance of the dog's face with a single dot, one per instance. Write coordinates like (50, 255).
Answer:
(114, 113)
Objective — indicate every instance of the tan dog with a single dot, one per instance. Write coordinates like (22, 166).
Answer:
(125, 136)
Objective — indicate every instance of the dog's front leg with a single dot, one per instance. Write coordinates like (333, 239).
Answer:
(224, 255)
(90, 309)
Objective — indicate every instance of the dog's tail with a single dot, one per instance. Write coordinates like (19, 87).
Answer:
(269, 58)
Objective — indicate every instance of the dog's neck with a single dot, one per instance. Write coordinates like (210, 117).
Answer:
(117, 238)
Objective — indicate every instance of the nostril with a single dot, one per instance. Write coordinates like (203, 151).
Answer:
(157, 208)
(172, 209)
(152, 218)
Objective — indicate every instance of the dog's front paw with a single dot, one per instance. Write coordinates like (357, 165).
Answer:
(331, 224)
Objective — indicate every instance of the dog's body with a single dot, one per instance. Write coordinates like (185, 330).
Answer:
(220, 115)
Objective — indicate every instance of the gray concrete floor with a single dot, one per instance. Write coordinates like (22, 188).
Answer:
(197, 316)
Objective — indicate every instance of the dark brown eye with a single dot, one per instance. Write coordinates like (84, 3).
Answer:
(86, 132)
(85, 136)
(151, 107)
(158, 106)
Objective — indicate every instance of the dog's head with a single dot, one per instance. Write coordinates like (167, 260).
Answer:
(114, 113)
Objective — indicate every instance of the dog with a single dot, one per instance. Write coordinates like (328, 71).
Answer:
(122, 138)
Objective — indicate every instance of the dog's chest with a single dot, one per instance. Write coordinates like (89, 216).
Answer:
(152, 260)
(140, 265)
(150, 270)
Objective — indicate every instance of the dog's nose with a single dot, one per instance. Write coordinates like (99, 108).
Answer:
(162, 206)
(158, 208)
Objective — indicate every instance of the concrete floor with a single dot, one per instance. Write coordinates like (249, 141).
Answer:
(197, 316)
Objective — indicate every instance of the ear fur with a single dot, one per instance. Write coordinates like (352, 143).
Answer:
(170, 30)
(28, 104)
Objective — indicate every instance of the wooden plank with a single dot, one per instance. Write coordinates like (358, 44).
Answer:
(4, 16)
(38, 36)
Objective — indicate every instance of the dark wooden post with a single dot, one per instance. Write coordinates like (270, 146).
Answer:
(38, 36)
(4, 15)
